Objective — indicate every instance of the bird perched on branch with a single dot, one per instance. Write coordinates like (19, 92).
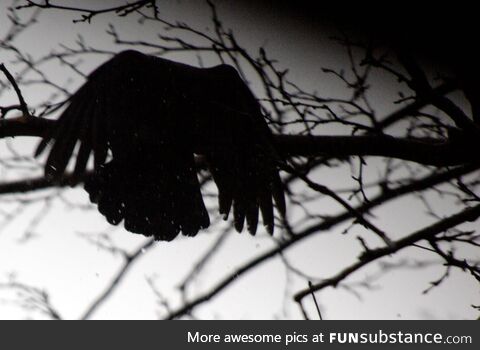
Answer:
(144, 119)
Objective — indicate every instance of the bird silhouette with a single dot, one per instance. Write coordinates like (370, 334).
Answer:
(144, 119)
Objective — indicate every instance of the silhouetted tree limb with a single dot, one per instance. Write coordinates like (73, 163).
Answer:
(327, 224)
(23, 105)
(419, 83)
(416, 105)
(33, 298)
(20, 126)
(88, 14)
(428, 151)
(428, 233)
(129, 260)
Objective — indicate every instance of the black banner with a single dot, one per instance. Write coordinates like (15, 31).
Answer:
(251, 334)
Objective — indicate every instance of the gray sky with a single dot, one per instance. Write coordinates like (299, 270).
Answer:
(74, 272)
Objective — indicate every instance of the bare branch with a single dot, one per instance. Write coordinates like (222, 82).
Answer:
(11, 79)
(130, 259)
(88, 14)
(32, 298)
(324, 225)
(426, 151)
(428, 233)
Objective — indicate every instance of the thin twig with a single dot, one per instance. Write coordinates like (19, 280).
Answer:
(11, 79)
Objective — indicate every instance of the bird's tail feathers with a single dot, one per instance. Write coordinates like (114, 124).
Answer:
(152, 202)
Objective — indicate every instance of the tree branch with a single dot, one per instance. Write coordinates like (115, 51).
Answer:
(470, 214)
(20, 126)
(428, 151)
(419, 83)
(21, 100)
(413, 108)
(129, 261)
(327, 224)
(122, 10)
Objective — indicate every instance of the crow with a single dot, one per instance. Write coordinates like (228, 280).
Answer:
(144, 119)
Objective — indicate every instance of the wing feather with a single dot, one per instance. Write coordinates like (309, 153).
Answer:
(65, 137)
(241, 156)
(85, 144)
(99, 137)
(247, 179)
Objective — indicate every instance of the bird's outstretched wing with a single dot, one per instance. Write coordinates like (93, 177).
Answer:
(239, 148)
(152, 115)
(127, 107)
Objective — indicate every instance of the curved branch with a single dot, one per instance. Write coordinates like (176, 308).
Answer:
(413, 108)
(88, 14)
(129, 260)
(470, 214)
(22, 126)
(427, 151)
(324, 225)
(38, 183)
(21, 100)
